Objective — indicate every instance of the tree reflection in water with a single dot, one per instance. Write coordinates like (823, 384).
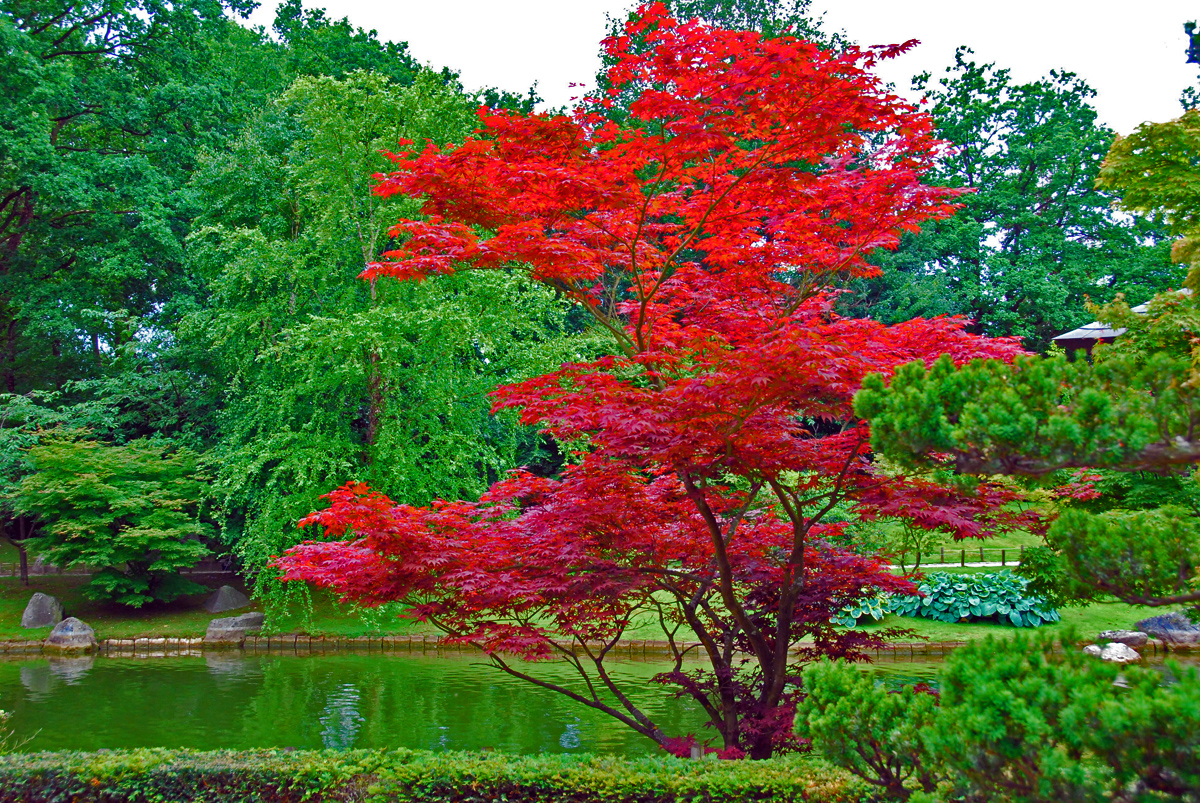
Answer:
(341, 718)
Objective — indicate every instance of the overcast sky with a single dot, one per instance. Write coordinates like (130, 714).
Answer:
(1131, 53)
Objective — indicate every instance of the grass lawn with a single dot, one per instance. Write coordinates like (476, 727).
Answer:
(187, 617)
(182, 618)
(1086, 622)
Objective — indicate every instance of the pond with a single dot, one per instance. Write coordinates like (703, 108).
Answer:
(450, 701)
(447, 701)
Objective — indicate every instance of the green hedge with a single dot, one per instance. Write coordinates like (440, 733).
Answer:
(407, 776)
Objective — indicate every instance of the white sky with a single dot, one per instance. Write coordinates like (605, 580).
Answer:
(1132, 54)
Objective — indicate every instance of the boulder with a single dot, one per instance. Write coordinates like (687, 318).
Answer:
(1130, 638)
(1173, 628)
(71, 635)
(1115, 652)
(42, 566)
(226, 598)
(232, 630)
(43, 610)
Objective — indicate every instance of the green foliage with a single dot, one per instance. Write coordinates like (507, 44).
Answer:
(1140, 557)
(1154, 170)
(1000, 596)
(326, 377)
(856, 723)
(1029, 720)
(412, 777)
(1035, 239)
(1129, 530)
(876, 607)
(1046, 573)
(132, 510)
(993, 418)
(1032, 720)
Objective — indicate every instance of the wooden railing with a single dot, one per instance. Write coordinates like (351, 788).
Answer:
(1005, 556)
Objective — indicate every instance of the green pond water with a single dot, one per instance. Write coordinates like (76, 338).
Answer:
(335, 700)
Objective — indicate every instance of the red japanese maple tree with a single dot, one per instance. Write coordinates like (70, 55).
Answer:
(712, 451)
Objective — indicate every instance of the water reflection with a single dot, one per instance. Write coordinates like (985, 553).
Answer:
(72, 670)
(570, 740)
(37, 679)
(337, 701)
(341, 718)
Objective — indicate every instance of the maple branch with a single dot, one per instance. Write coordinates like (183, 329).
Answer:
(724, 572)
(648, 729)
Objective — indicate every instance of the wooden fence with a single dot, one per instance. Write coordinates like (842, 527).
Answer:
(1005, 556)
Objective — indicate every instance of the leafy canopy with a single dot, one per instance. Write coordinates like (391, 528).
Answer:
(707, 451)
(131, 511)
(1034, 239)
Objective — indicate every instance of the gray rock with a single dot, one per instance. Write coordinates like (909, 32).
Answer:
(43, 610)
(232, 630)
(1130, 638)
(1173, 628)
(226, 598)
(71, 635)
(42, 566)
(1115, 652)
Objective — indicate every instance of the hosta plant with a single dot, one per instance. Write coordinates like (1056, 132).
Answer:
(999, 596)
(875, 606)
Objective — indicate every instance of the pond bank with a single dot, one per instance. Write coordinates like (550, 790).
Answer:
(303, 642)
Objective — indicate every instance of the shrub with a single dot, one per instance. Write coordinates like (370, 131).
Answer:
(876, 607)
(1026, 720)
(999, 596)
(857, 724)
(412, 776)
(131, 510)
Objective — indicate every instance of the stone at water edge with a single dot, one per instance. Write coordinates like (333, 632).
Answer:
(232, 629)
(226, 598)
(43, 610)
(70, 635)
(1130, 638)
(1173, 628)
(1115, 652)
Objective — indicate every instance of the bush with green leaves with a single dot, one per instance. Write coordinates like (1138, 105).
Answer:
(1020, 720)
(861, 726)
(1036, 720)
(130, 511)
(414, 776)
(999, 596)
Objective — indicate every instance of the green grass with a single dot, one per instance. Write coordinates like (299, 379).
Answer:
(183, 618)
(187, 618)
(1086, 622)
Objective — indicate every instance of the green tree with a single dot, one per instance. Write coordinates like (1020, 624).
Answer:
(132, 510)
(1132, 409)
(1034, 238)
(324, 376)
(109, 105)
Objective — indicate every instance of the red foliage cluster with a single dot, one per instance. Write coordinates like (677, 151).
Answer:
(715, 450)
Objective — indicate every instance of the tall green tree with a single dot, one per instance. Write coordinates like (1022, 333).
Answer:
(325, 376)
(106, 106)
(1034, 238)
